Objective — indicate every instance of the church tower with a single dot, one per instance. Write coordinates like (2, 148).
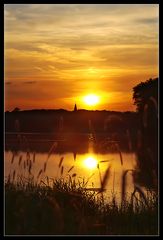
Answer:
(75, 108)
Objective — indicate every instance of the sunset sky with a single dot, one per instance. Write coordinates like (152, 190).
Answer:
(56, 54)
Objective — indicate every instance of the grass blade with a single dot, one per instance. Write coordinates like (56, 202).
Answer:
(60, 162)
(105, 179)
(54, 146)
(62, 170)
(70, 169)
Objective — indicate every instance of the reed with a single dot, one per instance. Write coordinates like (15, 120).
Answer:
(34, 156)
(124, 184)
(13, 157)
(119, 151)
(60, 162)
(113, 180)
(66, 208)
(30, 166)
(70, 169)
(24, 164)
(44, 168)
(20, 159)
(62, 168)
(53, 147)
(141, 193)
(39, 173)
(105, 179)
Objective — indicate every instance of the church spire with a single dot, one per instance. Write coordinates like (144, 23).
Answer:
(75, 108)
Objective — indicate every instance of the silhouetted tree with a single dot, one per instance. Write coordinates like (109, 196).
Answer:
(146, 99)
(145, 92)
(16, 109)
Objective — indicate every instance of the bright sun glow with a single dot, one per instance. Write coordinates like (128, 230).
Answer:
(90, 162)
(91, 99)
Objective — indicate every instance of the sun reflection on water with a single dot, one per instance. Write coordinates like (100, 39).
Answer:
(90, 162)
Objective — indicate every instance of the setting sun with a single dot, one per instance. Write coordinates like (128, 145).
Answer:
(90, 162)
(91, 99)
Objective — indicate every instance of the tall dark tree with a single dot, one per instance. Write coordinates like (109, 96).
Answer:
(145, 92)
(145, 97)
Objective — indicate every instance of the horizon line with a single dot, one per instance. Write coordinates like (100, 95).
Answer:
(56, 109)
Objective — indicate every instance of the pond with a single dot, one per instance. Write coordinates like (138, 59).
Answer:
(87, 167)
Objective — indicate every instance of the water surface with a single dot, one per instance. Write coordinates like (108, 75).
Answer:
(82, 167)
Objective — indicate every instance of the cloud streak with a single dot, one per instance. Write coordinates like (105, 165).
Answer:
(29, 82)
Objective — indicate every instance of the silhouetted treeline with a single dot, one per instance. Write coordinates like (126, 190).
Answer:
(69, 121)
(51, 120)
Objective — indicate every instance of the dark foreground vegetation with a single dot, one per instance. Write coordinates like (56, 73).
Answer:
(66, 208)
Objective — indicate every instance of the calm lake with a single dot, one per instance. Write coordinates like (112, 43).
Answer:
(88, 165)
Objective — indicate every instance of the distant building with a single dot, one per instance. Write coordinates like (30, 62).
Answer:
(75, 108)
